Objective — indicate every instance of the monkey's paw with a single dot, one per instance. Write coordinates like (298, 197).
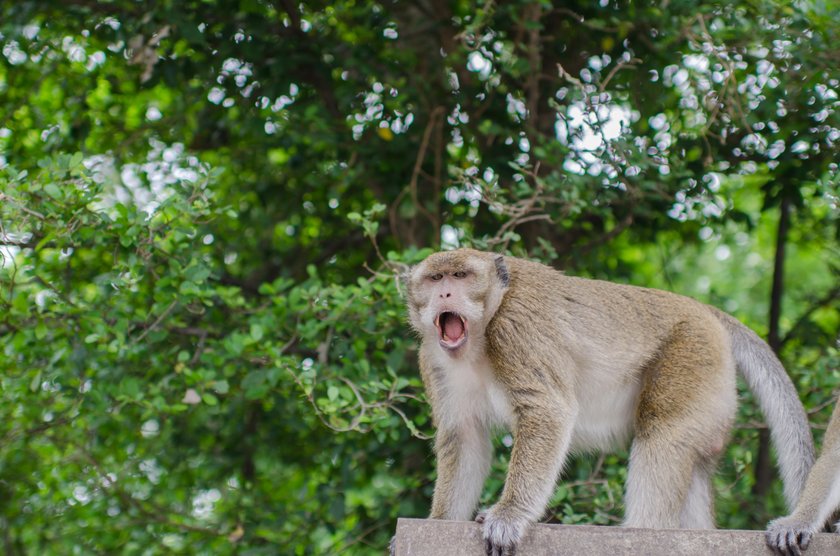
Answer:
(502, 531)
(788, 536)
(392, 546)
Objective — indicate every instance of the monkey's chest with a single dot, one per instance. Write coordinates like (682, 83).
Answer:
(471, 392)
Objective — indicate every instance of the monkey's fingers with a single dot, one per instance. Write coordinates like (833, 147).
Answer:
(805, 539)
(491, 549)
(774, 541)
(780, 545)
(787, 541)
(479, 518)
(792, 542)
(502, 534)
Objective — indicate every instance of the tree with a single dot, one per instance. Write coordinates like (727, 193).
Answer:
(205, 207)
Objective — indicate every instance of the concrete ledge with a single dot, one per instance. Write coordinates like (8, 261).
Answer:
(425, 537)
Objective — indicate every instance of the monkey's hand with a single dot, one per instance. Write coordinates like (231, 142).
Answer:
(503, 531)
(788, 536)
(392, 546)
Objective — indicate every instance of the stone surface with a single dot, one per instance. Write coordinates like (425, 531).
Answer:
(424, 537)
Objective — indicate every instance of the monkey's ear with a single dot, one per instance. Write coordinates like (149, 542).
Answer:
(502, 271)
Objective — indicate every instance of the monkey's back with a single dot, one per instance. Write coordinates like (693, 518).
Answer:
(598, 323)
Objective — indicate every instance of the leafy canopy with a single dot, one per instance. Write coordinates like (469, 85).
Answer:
(205, 206)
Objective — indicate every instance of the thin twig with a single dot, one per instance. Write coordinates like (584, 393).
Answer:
(418, 163)
(532, 84)
(619, 66)
(822, 302)
(157, 322)
(21, 206)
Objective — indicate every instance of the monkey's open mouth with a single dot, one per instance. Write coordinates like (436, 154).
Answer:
(453, 330)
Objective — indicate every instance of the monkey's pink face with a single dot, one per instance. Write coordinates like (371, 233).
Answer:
(445, 308)
(447, 302)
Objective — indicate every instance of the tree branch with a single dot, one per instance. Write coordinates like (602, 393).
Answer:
(825, 300)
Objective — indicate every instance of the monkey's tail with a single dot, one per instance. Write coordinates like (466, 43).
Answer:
(779, 402)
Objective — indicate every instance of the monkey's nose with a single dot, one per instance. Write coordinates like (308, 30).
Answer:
(447, 295)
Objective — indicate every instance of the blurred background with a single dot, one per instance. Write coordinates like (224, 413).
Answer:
(205, 206)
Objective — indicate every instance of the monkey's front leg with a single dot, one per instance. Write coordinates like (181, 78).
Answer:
(541, 442)
(463, 453)
(793, 534)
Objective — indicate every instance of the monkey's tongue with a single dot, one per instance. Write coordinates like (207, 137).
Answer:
(453, 327)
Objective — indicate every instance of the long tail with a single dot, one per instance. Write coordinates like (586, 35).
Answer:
(779, 402)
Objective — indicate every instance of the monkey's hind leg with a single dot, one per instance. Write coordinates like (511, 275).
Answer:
(698, 509)
(686, 409)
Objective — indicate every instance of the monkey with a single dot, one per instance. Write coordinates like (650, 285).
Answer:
(820, 499)
(571, 365)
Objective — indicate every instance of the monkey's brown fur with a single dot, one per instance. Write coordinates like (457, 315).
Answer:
(566, 364)
(820, 499)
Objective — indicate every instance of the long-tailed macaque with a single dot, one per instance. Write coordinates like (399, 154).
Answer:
(819, 501)
(569, 364)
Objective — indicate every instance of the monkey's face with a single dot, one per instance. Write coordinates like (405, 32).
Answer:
(452, 295)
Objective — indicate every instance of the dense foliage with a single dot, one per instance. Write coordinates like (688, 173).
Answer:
(205, 207)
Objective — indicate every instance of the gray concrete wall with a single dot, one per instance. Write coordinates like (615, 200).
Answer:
(424, 537)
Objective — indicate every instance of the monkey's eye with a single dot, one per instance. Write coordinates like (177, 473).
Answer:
(460, 274)
(437, 276)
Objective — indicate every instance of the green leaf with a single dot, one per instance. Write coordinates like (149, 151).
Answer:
(221, 386)
(332, 393)
(197, 273)
(53, 190)
(76, 160)
(254, 385)
(35, 383)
